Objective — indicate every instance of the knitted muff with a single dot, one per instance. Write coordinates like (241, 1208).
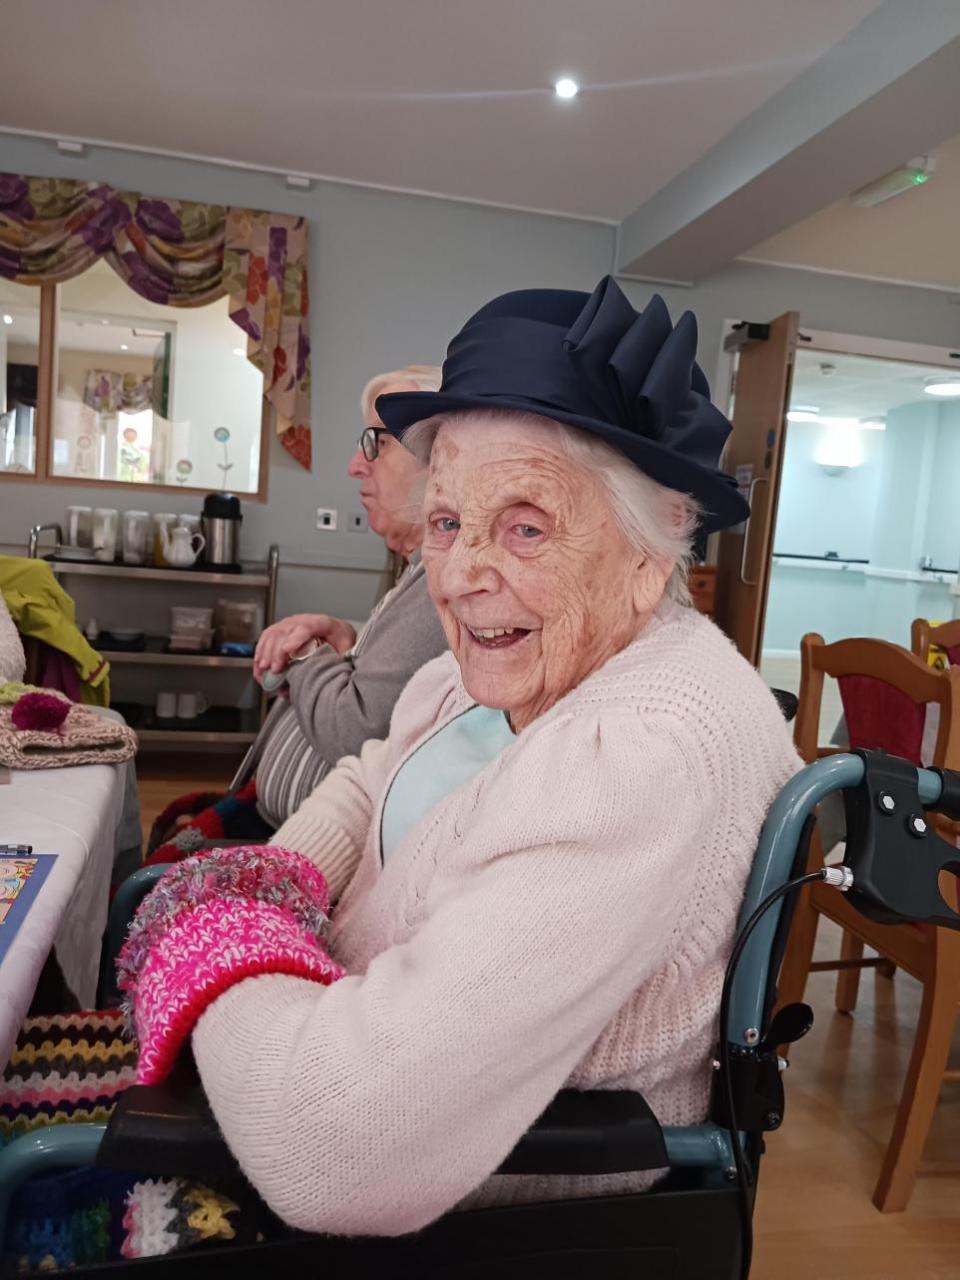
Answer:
(210, 922)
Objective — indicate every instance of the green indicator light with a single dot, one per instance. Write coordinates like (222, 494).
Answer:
(919, 179)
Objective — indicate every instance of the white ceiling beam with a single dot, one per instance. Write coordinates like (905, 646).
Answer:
(887, 91)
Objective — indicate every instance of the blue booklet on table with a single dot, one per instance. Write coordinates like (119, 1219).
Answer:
(21, 878)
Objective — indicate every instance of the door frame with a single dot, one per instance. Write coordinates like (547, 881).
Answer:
(852, 344)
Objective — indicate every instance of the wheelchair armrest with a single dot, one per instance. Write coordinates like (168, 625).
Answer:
(597, 1131)
(167, 1130)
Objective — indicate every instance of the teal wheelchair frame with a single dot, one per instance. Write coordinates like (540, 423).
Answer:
(690, 1226)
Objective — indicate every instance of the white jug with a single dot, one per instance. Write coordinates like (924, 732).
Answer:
(180, 546)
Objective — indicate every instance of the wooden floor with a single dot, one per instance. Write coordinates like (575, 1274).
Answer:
(815, 1219)
(166, 776)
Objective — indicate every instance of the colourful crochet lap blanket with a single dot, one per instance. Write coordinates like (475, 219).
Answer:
(70, 1069)
(67, 1069)
(202, 817)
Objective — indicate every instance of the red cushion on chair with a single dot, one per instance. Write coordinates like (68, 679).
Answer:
(882, 718)
(953, 654)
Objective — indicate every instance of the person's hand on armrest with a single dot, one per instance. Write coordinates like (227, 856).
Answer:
(280, 642)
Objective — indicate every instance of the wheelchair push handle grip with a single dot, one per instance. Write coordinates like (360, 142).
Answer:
(949, 803)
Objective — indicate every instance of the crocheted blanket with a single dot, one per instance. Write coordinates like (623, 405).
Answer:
(198, 819)
(70, 1069)
(66, 1069)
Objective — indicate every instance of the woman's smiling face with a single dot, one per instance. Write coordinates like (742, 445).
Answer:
(535, 583)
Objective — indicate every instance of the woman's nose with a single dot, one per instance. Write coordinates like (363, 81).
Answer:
(469, 567)
(358, 466)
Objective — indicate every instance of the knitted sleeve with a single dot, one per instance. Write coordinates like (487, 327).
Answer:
(375, 1105)
(342, 701)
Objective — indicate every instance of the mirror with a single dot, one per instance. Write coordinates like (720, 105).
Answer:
(19, 361)
(151, 394)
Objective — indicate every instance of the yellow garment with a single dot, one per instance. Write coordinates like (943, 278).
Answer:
(41, 608)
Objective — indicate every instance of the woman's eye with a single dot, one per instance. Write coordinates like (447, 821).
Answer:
(446, 524)
(528, 530)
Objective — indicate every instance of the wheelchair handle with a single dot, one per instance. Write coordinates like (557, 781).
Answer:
(778, 843)
(948, 802)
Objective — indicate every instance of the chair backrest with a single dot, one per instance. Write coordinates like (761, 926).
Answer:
(886, 692)
(946, 636)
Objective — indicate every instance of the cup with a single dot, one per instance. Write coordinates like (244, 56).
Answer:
(166, 706)
(79, 526)
(191, 705)
(105, 520)
(136, 530)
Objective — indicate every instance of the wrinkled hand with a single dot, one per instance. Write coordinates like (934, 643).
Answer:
(279, 643)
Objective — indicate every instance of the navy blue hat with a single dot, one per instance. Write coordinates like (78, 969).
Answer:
(592, 361)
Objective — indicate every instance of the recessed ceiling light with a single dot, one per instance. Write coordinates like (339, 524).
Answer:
(8, 319)
(566, 87)
(124, 346)
(803, 413)
(873, 424)
(946, 387)
(239, 351)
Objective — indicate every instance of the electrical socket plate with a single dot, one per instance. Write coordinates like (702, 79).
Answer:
(357, 522)
(326, 517)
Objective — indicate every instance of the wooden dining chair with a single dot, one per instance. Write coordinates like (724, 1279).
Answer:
(945, 635)
(886, 692)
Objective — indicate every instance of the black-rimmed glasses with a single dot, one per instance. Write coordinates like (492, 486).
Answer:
(369, 442)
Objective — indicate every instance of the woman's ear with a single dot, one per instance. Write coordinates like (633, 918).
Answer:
(650, 580)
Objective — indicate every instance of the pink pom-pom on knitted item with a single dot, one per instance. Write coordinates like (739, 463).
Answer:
(44, 711)
(204, 953)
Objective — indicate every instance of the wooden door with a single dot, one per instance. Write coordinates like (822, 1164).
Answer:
(755, 456)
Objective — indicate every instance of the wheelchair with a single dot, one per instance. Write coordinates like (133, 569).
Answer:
(694, 1224)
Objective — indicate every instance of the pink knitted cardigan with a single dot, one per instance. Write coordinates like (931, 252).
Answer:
(564, 918)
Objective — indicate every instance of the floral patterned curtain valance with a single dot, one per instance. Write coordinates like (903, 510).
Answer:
(182, 254)
(107, 391)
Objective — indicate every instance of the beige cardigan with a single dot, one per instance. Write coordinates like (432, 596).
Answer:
(563, 918)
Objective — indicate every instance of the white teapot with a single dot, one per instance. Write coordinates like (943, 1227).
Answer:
(181, 547)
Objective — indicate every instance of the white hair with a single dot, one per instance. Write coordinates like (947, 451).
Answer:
(426, 377)
(660, 523)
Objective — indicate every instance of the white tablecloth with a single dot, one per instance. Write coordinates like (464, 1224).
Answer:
(74, 814)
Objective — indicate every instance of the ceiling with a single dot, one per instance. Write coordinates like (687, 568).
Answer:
(440, 96)
(846, 386)
(911, 238)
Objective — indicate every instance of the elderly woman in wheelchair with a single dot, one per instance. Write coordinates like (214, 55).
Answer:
(532, 885)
